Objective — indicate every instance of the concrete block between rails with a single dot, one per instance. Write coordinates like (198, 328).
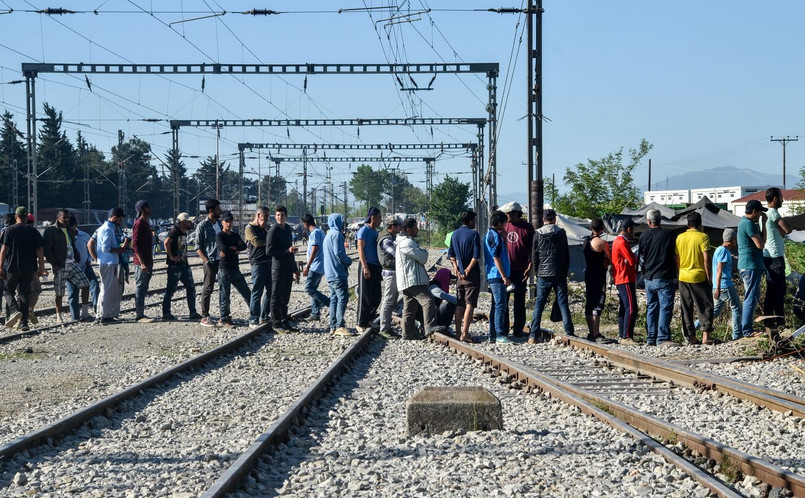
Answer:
(434, 410)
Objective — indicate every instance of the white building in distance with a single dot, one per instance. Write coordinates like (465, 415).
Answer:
(717, 195)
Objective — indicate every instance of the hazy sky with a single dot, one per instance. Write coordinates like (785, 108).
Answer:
(707, 83)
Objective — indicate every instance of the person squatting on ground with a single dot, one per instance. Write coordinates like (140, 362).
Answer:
(597, 259)
(260, 263)
(283, 269)
(551, 259)
(774, 261)
(229, 244)
(750, 261)
(496, 261)
(369, 271)
(89, 294)
(143, 245)
(206, 232)
(695, 287)
(109, 248)
(336, 268)
(412, 281)
(465, 253)
(178, 268)
(723, 288)
(656, 255)
(386, 253)
(314, 267)
(624, 267)
(519, 243)
(445, 303)
(21, 250)
(59, 248)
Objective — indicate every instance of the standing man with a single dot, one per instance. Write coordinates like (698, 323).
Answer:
(143, 245)
(109, 249)
(597, 258)
(314, 267)
(386, 251)
(774, 260)
(89, 295)
(228, 245)
(624, 266)
(551, 257)
(260, 262)
(519, 242)
(178, 268)
(369, 270)
(693, 261)
(751, 242)
(496, 260)
(657, 256)
(22, 248)
(206, 231)
(465, 254)
(60, 251)
(723, 288)
(412, 281)
(336, 266)
(284, 270)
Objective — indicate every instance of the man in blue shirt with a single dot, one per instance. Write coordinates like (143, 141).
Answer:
(109, 249)
(496, 260)
(369, 271)
(465, 253)
(314, 268)
(750, 261)
(723, 288)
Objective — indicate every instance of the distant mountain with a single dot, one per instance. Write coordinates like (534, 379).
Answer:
(725, 176)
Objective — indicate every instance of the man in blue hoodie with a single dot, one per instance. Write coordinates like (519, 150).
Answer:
(336, 264)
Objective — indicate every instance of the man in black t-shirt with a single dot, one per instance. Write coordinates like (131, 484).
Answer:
(178, 269)
(656, 256)
(229, 244)
(22, 247)
(281, 249)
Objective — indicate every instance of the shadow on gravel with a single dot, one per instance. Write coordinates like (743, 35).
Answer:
(315, 425)
(114, 419)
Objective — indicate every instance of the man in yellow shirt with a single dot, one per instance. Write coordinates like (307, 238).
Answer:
(693, 263)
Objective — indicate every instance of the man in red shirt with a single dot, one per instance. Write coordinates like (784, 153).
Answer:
(143, 245)
(519, 238)
(624, 265)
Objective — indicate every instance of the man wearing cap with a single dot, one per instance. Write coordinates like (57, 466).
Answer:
(496, 262)
(284, 269)
(386, 252)
(178, 268)
(751, 242)
(206, 231)
(624, 267)
(58, 245)
(229, 244)
(143, 246)
(22, 248)
(693, 262)
(465, 255)
(551, 257)
(656, 255)
(314, 267)
(774, 260)
(723, 288)
(109, 249)
(369, 270)
(519, 240)
(256, 234)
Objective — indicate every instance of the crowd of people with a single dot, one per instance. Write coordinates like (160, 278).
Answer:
(392, 275)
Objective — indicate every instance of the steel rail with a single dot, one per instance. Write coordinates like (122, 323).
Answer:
(607, 409)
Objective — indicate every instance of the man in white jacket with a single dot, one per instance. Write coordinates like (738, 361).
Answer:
(412, 281)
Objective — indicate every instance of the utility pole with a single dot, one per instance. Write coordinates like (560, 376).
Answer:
(120, 172)
(217, 160)
(649, 174)
(346, 208)
(304, 181)
(175, 169)
(82, 158)
(785, 141)
(429, 188)
(534, 87)
(242, 167)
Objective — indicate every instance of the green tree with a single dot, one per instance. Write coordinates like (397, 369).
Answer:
(139, 176)
(13, 160)
(449, 199)
(56, 164)
(550, 192)
(602, 186)
(368, 185)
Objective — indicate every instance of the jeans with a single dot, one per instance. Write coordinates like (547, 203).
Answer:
(226, 279)
(177, 273)
(728, 294)
(751, 279)
(544, 287)
(142, 279)
(261, 292)
(518, 305)
(317, 299)
(94, 286)
(775, 291)
(659, 309)
(498, 310)
(339, 295)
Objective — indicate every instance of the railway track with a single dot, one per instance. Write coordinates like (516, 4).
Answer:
(609, 384)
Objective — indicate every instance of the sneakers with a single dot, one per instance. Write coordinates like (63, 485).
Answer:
(13, 319)
(628, 341)
(667, 344)
(207, 322)
(254, 323)
(343, 332)
(106, 321)
(23, 327)
(503, 340)
(194, 316)
(362, 329)
(85, 312)
(532, 340)
(439, 329)
(227, 322)
(144, 319)
(32, 317)
(389, 334)
(169, 318)
(287, 327)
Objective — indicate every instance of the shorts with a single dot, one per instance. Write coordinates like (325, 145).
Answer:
(467, 292)
(596, 294)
